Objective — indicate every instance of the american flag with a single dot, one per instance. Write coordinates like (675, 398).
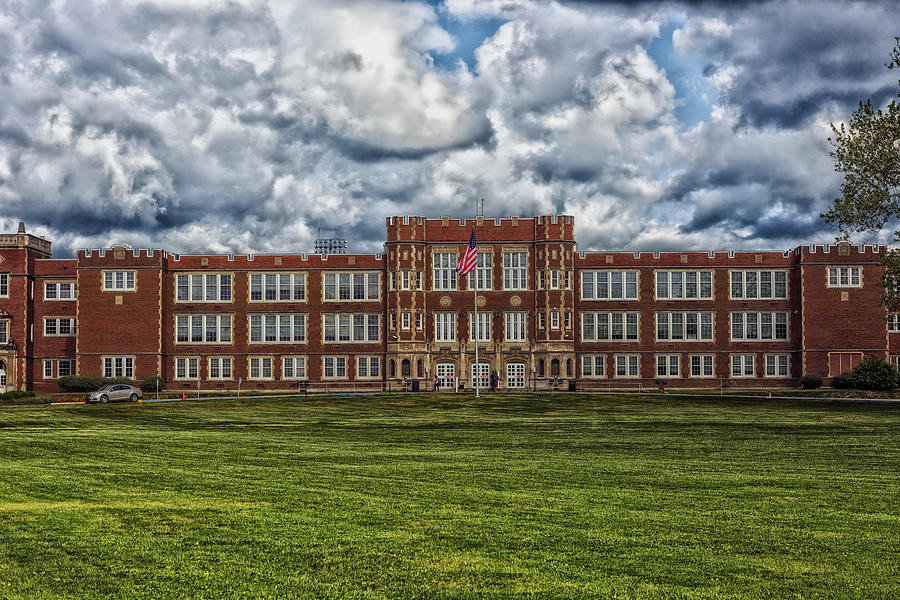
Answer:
(469, 258)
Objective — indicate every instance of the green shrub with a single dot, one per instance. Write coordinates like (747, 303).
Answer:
(149, 384)
(811, 381)
(843, 381)
(15, 395)
(873, 373)
(83, 383)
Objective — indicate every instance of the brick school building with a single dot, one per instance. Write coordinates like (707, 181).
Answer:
(547, 316)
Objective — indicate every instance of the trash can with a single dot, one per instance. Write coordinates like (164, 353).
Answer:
(415, 385)
(571, 385)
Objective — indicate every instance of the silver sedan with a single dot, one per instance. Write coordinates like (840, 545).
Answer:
(114, 392)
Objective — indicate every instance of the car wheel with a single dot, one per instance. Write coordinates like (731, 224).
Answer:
(133, 398)
(104, 399)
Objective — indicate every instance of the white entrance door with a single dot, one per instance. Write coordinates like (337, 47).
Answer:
(481, 373)
(446, 373)
(515, 375)
(2, 377)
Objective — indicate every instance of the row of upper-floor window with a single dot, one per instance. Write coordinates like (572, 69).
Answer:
(366, 285)
(366, 327)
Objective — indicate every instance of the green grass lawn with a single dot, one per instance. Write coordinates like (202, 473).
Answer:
(550, 496)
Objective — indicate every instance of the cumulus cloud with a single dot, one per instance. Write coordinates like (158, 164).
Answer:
(248, 126)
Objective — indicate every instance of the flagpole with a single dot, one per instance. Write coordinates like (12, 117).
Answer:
(475, 326)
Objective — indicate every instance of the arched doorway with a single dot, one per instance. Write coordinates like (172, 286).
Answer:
(2, 376)
(481, 375)
(446, 373)
(515, 375)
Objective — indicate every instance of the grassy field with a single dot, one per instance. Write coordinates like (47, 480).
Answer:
(550, 496)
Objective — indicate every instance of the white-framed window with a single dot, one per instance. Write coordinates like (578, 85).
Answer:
(293, 367)
(844, 277)
(554, 319)
(347, 327)
(391, 277)
(609, 285)
(894, 322)
(63, 368)
(420, 280)
(368, 367)
(118, 281)
(444, 264)
(568, 279)
(684, 285)
(60, 290)
(540, 280)
(609, 326)
(277, 287)
(515, 326)
(393, 318)
(483, 272)
(515, 270)
(59, 326)
(445, 327)
(684, 326)
(220, 367)
(751, 285)
(404, 279)
(351, 287)
(628, 365)
(480, 326)
(593, 365)
(203, 329)
(203, 287)
(4, 332)
(542, 320)
(420, 320)
(749, 326)
(777, 365)
(702, 365)
(405, 320)
(260, 367)
(118, 366)
(334, 367)
(187, 367)
(668, 365)
(284, 328)
(554, 279)
(743, 365)
(4, 285)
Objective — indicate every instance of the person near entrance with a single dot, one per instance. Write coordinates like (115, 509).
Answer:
(437, 382)
(495, 381)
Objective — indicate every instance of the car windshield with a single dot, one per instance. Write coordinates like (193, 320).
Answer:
(105, 388)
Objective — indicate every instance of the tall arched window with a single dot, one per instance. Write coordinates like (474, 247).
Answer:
(420, 369)
(554, 367)
(393, 368)
(541, 368)
(405, 368)
(568, 367)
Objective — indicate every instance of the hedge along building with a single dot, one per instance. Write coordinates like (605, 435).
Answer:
(547, 313)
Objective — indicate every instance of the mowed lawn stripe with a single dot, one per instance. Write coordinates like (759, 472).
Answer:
(451, 497)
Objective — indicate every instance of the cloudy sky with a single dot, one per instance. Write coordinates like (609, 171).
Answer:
(247, 126)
